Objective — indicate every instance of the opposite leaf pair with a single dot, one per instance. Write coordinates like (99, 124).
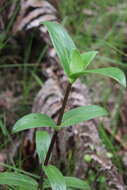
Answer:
(74, 63)
(72, 117)
(58, 182)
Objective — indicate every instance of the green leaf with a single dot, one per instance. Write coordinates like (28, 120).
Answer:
(112, 72)
(42, 144)
(62, 42)
(71, 182)
(88, 57)
(76, 62)
(20, 180)
(81, 114)
(33, 120)
(55, 177)
(74, 182)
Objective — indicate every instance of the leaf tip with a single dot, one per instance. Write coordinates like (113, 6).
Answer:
(105, 112)
(122, 79)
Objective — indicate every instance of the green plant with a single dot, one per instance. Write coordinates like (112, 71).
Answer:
(75, 65)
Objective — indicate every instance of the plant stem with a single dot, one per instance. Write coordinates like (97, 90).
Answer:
(54, 137)
(58, 123)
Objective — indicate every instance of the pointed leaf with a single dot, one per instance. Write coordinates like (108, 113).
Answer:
(76, 62)
(62, 42)
(74, 182)
(20, 180)
(33, 120)
(112, 72)
(42, 144)
(55, 177)
(81, 114)
(88, 58)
